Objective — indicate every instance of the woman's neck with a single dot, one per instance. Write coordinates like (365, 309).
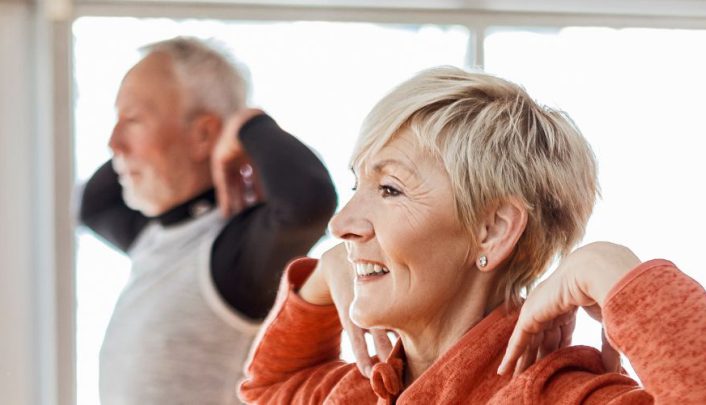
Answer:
(425, 340)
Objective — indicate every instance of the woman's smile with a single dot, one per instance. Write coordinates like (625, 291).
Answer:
(367, 270)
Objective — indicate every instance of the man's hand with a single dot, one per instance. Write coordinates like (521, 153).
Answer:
(233, 175)
(332, 282)
(583, 279)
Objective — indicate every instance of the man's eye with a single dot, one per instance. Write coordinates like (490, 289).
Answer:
(389, 191)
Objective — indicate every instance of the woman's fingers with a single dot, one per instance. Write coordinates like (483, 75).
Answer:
(383, 345)
(530, 355)
(567, 327)
(610, 356)
(551, 341)
(542, 311)
(554, 302)
(529, 323)
(360, 350)
(521, 337)
(536, 340)
(339, 275)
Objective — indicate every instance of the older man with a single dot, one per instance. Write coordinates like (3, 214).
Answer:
(201, 282)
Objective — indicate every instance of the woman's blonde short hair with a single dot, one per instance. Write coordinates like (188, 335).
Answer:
(496, 143)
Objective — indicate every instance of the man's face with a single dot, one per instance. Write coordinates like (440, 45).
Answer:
(149, 141)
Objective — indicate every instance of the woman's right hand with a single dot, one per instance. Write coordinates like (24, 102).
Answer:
(583, 279)
(332, 283)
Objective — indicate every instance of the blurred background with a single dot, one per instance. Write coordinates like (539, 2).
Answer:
(630, 73)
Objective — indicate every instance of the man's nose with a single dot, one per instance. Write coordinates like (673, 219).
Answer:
(116, 142)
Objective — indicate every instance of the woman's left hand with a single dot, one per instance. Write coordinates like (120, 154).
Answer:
(332, 283)
(583, 279)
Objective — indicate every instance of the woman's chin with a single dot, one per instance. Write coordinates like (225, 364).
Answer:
(367, 316)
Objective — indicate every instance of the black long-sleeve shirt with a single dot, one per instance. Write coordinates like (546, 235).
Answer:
(250, 252)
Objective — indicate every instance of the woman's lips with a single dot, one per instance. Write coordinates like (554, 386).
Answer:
(369, 271)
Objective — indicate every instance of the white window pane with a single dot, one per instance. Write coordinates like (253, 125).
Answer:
(317, 79)
(637, 95)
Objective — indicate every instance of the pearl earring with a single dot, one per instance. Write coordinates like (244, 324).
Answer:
(482, 261)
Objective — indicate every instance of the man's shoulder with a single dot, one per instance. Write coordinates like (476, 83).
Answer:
(182, 236)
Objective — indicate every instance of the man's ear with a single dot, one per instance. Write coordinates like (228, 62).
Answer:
(498, 233)
(203, 134)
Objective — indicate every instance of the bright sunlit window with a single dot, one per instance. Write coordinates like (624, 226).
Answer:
(635, 93)
(318, 80)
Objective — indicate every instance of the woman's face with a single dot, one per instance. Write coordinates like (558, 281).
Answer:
(410, 251)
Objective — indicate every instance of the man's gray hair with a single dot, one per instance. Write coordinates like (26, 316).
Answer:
(212, 79)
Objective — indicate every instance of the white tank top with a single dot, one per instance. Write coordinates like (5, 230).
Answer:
(172, 339)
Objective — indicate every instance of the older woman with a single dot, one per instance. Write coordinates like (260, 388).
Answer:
(466, 190)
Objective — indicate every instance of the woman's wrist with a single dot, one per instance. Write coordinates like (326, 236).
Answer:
(315, 290)
(611, 262)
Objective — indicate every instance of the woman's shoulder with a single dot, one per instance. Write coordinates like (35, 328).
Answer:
(570, 375)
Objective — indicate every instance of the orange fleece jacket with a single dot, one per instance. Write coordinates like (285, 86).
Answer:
(656, 315)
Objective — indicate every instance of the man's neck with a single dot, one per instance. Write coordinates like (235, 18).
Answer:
(193, 207)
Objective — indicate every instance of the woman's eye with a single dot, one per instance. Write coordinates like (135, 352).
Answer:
(389, 191)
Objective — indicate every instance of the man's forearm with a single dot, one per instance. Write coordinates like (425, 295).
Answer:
(296, 183)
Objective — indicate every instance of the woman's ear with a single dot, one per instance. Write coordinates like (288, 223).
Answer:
(203, 134)
(498, 233)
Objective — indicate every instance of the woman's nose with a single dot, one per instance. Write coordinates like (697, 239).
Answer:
(349, 224)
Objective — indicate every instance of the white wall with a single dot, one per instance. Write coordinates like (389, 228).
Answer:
(36, 244)
(17, 310)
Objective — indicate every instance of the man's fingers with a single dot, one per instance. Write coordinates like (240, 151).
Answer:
(383, 346)
(222, 201)
(234, 190)
(221, 185)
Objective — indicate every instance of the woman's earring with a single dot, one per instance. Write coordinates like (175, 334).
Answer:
(482, 261)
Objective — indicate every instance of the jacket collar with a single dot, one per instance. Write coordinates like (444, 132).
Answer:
(473, 358)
